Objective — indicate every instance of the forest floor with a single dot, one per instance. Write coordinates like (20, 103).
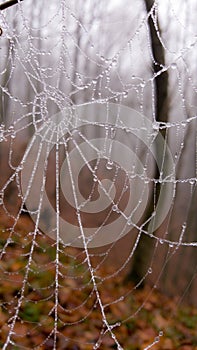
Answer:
(144, 316)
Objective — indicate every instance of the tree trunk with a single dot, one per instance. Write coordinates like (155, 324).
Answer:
(143, 253)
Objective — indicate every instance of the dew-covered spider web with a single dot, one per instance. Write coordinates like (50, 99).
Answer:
(98, 170)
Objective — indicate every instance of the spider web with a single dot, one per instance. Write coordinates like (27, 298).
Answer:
(79, 147)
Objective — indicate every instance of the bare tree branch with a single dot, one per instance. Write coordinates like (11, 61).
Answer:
(9, 3)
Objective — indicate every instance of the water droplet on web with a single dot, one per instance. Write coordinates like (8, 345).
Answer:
(150, 270)
(156, 126)
(114, 62)
(125, 94)
(96, 346)
(109, 165)
(173, 65)
(142, 84)
(157, 339)
(113, 132)
(2, 127)
(114, 207)
(129, 221)
(81, 87)
(119, 347)
(125, 188)
(161, 334)
(192, 182)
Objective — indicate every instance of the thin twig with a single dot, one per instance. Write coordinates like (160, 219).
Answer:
(8, 3)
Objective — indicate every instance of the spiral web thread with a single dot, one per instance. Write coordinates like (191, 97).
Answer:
(56, 293)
